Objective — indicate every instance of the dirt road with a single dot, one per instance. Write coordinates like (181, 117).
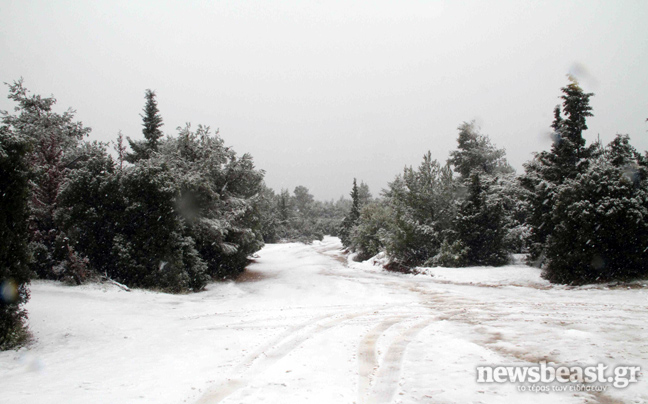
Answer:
(402, 338)
(304, 325)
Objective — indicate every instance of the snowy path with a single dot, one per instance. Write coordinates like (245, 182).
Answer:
(303, 326)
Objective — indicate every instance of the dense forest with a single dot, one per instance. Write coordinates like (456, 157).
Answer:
(173, 212)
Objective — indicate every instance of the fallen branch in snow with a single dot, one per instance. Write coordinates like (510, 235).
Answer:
(122, 286)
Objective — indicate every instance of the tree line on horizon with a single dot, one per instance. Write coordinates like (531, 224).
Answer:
(173, 212)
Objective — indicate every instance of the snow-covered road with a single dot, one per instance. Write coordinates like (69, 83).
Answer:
(304, 325)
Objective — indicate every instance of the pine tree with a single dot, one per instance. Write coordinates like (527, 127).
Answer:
(218, 194)
(568, 154)
(284, 207)
(354, 214)
(548, 170)
(54, 139)
(351, 219)
(120, 148)
(423, 205)
(601, 220)
(368, 238)
(480, 227)
(303, 201)
(476, 153)
(364, 194)
(152, 122)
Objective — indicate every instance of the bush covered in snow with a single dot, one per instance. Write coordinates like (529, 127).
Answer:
(368, 237)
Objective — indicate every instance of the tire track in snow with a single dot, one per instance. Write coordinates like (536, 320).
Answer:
(367, 358)
(388, 373)
(269, 354)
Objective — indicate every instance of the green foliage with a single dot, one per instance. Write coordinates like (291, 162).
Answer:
(268, 215)
(368, 237)
(299, 217)
(53, 138)
(125, 223)
(422, 202)
(191, 211)
(601, 221)
(14, 253)
(351, 219)
(451, 255)
(568, 158)
(475, 153)
(219, 198)
(480, 227)
(90, 206)
(506, 191)
(149, 230)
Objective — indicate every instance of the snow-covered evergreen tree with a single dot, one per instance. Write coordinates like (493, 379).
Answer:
(14, 253)
(53, 138)
(351, 219)
(600, 220)
(368, 236)
(219, 196)
(423, 205)
(481, 227)
(476, 153)
(548, 170)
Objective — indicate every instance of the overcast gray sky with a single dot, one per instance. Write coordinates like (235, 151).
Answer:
(320, 92)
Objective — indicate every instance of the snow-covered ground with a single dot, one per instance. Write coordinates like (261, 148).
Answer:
(306, 325)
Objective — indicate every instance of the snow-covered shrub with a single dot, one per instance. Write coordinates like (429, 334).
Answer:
(451, 255)
(367, 238)
(153, 246)
(506, 191)
(219, 195)
(125, 222)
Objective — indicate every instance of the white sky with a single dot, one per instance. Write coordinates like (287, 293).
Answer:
(321, 92)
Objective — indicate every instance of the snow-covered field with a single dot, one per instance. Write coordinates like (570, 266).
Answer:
(306, 325)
